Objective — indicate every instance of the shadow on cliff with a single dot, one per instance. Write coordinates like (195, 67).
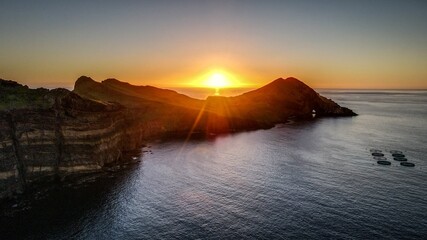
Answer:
(67, 206)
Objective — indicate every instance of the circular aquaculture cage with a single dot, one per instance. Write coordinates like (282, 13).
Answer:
(407, 164)
(382, 162)
(377, 154)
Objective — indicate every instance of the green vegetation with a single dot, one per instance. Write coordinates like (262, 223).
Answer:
(17, 96)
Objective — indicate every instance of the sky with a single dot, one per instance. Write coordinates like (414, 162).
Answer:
(379, 44)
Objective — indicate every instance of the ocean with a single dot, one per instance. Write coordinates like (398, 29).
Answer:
(203, 93)
(301, 180)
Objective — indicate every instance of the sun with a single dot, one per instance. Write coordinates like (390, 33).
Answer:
(217, 80)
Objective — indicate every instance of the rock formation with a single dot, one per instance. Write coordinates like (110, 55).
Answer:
(52, 133)
(56, 132)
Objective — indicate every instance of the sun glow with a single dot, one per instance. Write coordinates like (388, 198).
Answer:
(217, 80)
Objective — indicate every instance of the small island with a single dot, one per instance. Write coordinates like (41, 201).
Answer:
(46, 135)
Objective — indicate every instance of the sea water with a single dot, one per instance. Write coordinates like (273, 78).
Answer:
(203, 93)
(308, 180)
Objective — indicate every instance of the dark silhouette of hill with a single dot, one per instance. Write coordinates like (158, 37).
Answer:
(284, 98)
(273, 103)
(130, 95)
(173, 112)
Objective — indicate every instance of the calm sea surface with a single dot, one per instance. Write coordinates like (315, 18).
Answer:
(311, 180)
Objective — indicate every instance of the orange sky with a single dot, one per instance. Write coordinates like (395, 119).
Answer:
(168, 44)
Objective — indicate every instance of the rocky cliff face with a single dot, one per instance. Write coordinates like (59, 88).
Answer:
(53, 133)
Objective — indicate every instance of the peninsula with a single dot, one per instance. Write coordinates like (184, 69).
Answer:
(49, 134)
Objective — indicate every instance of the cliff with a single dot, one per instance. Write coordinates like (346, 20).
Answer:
(56, 132)
(52, 133)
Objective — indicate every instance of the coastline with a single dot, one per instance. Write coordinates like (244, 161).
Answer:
(55, 133)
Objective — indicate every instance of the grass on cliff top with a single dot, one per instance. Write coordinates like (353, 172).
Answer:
(23, 97)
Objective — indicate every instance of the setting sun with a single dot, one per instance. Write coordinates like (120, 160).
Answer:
(217, 80)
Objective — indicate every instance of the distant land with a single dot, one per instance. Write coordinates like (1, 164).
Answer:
(52, 134)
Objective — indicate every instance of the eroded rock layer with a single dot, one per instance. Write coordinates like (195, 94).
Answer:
(71, 134)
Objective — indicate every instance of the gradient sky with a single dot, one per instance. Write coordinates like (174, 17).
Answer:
(327, 44)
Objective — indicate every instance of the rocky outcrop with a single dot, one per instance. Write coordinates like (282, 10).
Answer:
(65, 134)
